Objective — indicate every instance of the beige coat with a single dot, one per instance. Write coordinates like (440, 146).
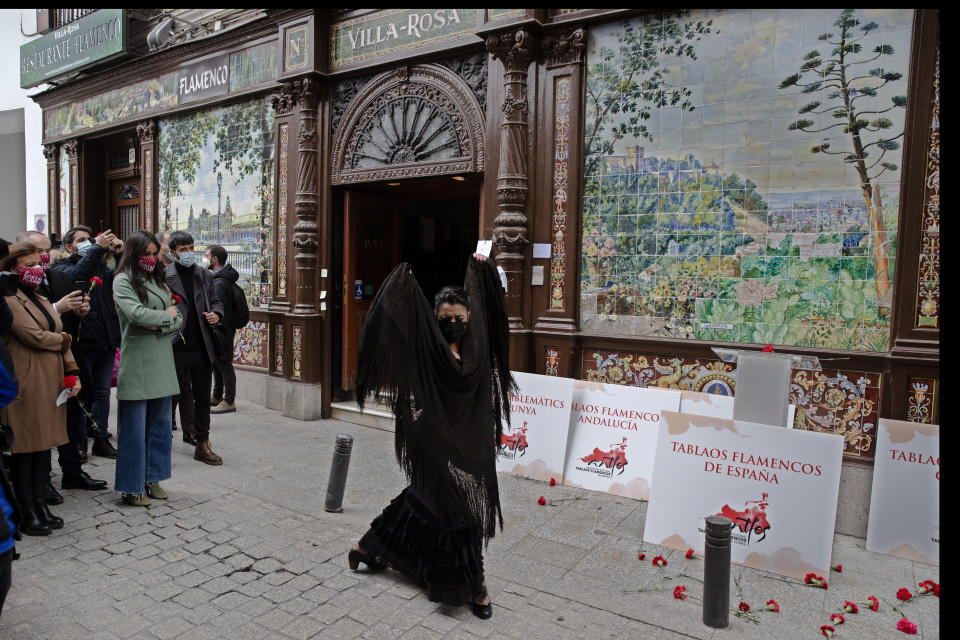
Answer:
(37, 422)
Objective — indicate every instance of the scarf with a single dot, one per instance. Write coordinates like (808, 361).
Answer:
(449, 413)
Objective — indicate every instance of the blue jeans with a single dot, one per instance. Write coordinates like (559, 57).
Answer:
(144, 439)
(99, 369)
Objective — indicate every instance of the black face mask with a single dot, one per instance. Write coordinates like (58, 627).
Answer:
(452, 331)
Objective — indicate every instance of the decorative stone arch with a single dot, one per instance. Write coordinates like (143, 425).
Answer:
(421, 120)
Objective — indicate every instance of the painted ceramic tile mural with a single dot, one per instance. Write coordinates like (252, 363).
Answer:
(64, 192)
(832, 401)
(216, 171)
(742, 175)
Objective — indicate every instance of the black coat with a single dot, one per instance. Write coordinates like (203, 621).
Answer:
(57, 284)
(202, 282)
(100, 329)
(223, 282)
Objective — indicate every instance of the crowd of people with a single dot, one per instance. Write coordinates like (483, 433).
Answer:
(141, 314)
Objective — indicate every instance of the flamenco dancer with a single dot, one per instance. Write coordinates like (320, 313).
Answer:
(445, 373)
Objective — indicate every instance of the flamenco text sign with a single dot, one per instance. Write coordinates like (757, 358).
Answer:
(905, 503)
(614, 436)
(778, 486)
(536, 443)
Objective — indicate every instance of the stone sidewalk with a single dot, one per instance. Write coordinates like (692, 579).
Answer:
(246, 551)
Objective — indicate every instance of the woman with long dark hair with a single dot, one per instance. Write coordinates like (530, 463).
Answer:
(445, 372)
(147, 379)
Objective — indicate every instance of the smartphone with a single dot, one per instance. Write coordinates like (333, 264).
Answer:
(82, 285)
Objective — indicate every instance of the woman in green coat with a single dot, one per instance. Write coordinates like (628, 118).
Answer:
(147, 380)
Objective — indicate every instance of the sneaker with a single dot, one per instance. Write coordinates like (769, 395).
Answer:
(205, 454)
(224, 407)
(136, 500)
(154, 491)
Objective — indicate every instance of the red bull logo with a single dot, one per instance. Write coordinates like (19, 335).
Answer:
(612, 460)
(514, 445)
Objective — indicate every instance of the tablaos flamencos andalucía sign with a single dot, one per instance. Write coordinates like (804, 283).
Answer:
(93, 38)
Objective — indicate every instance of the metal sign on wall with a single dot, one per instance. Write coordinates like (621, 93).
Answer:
(358, 39)
(93, 38)
(204, 78)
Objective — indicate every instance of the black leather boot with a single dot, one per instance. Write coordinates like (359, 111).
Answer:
(32, 525)
(43, 512)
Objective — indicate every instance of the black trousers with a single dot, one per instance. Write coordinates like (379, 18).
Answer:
(6, 575)
(193, 374)
(69, 454)
(224, 379)
(29, 474)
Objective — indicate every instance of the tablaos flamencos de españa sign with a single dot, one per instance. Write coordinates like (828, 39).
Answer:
(204, 78)
(355, 40)
(93, 38)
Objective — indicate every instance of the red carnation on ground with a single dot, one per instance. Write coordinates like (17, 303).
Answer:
(936, 589)
(850, 607)
(928, 586)
(873, 602)
(542, 501)
(641, 556)
(904, 594)
(837, 567)
(906, 626)
(688, 554)
(96, 282)
(678, 592)
(772, 606)
(768, 348)
(743, 606)
(827, 630)
(836, 618)
(176, 299)
(553, 482)
(659, 561)
(69, 382)
(815, 580)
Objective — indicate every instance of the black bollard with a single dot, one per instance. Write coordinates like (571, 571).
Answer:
(338, 473)
(716, 573)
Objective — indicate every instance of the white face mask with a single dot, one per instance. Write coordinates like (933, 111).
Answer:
(205, 262)
(84, 247)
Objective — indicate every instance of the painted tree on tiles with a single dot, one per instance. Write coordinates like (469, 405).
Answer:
(642, 84)
(841, 73)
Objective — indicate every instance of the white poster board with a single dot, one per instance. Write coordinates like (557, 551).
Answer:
(712, 404)
(613, 437)
(778, 486)
(905, 502)
(535, 444)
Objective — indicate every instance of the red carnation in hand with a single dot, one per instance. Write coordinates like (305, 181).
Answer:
(688, 554)
(641, 556)
(678, 592)
(542, 501)
(850, 607)
(659, 561)
(837, 567)
(768, 348)
(176, 299)
(904, 594)
(906, 626)
(836, 618)
(553, 482)
(827, 630)
(873, 602)
(69, 382)
(96, 282)
(743, 606)
(772, 606)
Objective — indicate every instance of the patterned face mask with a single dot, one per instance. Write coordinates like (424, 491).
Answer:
(31, 276)
(45, 261)
(147, 263)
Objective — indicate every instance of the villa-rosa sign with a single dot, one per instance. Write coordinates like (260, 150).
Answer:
(93, 38)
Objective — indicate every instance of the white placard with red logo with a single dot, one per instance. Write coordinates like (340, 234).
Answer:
(711, 404)
(613, 437)
(535, 444)
(905, 502)
(778, 486)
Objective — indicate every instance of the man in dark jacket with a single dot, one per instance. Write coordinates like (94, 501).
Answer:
(194, 353)
(224, 377)
(99, 334)
(72, 306)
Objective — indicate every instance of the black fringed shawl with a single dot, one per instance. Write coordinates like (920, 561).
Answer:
(449, 414)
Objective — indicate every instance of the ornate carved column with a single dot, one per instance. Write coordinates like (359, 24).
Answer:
(72, 148)
(305, 230)
(52, 153)
(146, 136)
(514, 50)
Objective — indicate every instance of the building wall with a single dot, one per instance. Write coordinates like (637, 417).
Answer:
(12, 173)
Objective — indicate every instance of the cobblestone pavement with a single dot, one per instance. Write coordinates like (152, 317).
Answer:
(246, 551)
